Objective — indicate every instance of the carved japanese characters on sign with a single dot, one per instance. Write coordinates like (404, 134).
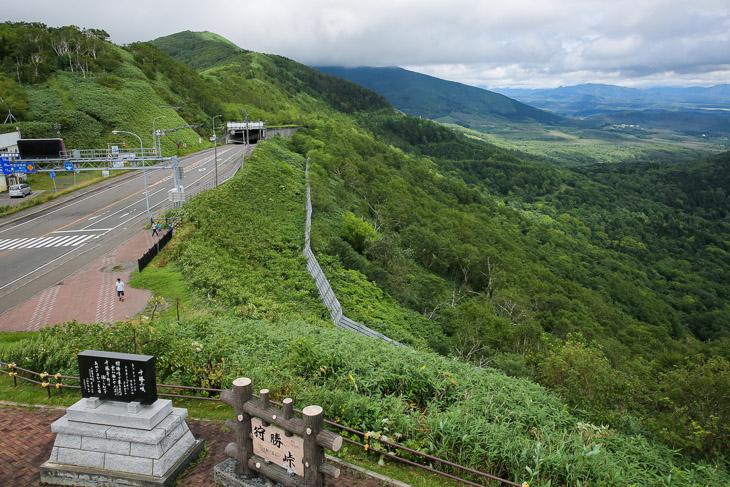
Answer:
(272, 444)
(115, 376)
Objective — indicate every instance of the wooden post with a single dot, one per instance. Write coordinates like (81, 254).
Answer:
(264, 398)
(242, 393)
(288, 412)
(313, 417)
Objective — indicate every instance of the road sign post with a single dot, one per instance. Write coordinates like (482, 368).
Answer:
(23, 167)
(7, 167)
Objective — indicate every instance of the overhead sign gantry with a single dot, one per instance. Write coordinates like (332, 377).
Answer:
(113, 158)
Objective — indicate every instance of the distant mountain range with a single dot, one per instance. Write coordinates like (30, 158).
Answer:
(689, 111)
(444, 101)
(591, 99)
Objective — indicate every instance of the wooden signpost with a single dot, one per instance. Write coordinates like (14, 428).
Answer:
(272, 444)
(291, 452)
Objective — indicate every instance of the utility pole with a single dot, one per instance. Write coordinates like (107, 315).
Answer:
(154, 134)
(246, 120)
(215, 149)
(144, 170)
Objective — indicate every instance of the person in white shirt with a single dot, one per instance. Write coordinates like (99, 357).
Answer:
(120, 289)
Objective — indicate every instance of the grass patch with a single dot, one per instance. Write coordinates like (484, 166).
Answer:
(9, 337)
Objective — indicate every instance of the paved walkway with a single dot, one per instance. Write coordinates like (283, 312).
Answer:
(26, 441)
(89, 295)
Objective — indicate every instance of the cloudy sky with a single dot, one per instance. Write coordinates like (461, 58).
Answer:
(487, 43)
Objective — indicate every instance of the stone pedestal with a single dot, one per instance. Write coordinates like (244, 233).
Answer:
(224, 475)
(109, 443)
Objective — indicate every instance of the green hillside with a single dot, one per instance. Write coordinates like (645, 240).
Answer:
(436, 99)
(199, 50)
(593, 299)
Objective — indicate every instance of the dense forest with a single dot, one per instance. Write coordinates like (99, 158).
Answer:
(607, 284)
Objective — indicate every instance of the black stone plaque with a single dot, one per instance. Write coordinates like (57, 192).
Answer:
(116, 376)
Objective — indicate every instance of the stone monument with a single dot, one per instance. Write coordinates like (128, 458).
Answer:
(120, 433)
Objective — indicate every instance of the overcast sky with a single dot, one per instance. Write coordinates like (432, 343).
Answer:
(487, 43)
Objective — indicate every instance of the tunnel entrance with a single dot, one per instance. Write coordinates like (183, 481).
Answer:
(242, 132)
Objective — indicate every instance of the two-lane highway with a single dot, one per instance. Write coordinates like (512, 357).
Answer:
(42, 250)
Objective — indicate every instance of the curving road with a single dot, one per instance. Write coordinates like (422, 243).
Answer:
(40, 249)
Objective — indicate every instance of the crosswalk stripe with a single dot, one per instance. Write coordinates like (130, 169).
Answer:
(82, 240)
(6, 244)
(72, 241)
(39, 243)
(20, 242)
(45, 242)
(48, 242)
(63, 239)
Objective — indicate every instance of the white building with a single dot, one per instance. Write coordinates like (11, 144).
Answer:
(9, 149)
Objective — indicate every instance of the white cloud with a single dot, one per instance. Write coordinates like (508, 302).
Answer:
(480, 42)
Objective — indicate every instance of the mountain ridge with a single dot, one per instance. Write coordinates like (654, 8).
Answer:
(592, 98)
(407, 90)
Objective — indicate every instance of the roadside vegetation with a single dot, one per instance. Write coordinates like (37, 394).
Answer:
(566, 326)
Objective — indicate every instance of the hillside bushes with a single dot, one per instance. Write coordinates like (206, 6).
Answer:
(478, 418)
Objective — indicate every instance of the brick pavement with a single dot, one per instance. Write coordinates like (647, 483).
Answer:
(89, 295)
(26, 441)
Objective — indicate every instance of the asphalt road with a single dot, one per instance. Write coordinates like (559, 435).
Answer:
(50, 242)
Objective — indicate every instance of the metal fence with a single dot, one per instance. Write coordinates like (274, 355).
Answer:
(348, 324)
(329, 299)
(323, 285)
(154, 250)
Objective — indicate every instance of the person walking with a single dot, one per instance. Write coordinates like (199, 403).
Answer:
(120, 289)
(155, 230)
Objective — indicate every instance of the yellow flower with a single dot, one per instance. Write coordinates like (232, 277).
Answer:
(57, 376)
(44, 384)
(352, 378)
(525, 484)
(423, 367)
(366, 449)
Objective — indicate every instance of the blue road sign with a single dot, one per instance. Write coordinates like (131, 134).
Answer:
(68, 166)
(53, 174)
(23, 167)
(7, 167)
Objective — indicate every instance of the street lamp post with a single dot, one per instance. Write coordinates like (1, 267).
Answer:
(144, 170)
(154, 134)
(215, 150)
